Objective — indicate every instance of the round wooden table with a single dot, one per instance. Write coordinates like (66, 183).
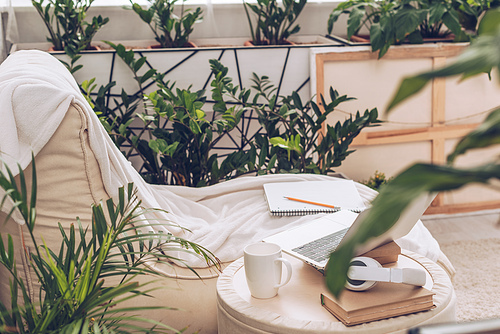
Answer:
(297, 307)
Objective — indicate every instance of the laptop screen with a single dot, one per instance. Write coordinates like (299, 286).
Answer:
(402, 227)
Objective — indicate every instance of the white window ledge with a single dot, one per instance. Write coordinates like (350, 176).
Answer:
(221, 19)
(121, 3)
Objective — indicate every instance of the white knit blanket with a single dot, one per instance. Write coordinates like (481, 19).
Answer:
(35, 93)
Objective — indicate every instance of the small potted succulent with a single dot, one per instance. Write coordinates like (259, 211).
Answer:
(170, 30)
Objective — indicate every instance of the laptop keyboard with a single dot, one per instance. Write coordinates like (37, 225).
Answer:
(320, 249)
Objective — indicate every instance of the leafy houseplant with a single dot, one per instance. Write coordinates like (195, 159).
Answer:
(392, 22)
(185, 151)
(75, 296)
(291, 138)
(440, 19)
(469, 16)
(176, 140)
(274, 24)
(65, 21)
(482, 56)
(362, 14)
(376, 181)
(170, 30)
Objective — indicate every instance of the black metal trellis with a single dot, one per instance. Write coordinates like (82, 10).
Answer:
(228, 142)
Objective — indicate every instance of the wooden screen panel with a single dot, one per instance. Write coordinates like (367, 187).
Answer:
(433, 118)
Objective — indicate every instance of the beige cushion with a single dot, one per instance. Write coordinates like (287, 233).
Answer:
(65, 189)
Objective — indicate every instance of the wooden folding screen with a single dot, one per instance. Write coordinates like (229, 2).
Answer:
(428, 125)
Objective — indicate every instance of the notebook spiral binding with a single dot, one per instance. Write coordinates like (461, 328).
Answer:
(310, 212)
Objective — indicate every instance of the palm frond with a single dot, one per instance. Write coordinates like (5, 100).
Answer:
(72, 278)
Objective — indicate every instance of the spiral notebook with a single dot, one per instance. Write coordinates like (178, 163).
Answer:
(341, 194)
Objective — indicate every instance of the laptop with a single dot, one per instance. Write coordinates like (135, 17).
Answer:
(313, 242)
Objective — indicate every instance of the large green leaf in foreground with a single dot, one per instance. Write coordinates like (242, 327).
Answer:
(391, 202)
(482, 56)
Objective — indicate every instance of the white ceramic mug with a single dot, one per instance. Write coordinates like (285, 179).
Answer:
(263, 266)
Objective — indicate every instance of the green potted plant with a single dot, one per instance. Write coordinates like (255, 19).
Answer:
(361, 15)
(395, 196)
(76, 298)
(470, 15)
(184, 156)
(291, 139)
(390, 22)
(65, 21)
(170, 30)
(376, 181)
(177, 139)
(274, 24)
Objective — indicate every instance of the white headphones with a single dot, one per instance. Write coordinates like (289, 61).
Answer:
(365, 272)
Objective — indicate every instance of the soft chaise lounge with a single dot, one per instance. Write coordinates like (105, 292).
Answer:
(42, 111)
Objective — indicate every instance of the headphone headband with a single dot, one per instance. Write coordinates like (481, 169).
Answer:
(365, 272)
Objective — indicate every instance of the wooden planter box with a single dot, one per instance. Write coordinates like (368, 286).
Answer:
(424, 128)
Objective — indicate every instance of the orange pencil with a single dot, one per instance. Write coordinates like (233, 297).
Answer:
(310, 202)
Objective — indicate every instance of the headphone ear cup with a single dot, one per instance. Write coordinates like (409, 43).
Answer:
(361, 285)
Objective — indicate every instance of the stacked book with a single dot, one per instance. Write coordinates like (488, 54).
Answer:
(384, 300)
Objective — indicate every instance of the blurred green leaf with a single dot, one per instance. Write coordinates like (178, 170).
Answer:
(393, 198)
(485, 135)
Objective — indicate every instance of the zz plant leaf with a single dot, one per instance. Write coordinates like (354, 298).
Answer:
(65, 21)
(170, 30)
(178, 138)
(274, 24)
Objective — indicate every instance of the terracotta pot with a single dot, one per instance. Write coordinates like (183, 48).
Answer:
(449, 38)
(366, 39)
(250, 43)
(360, 38)
(92, 48)
(187, 45)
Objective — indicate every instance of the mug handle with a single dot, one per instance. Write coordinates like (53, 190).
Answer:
(288, 271)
